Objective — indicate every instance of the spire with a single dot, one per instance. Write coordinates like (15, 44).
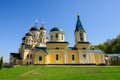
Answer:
(79, 26)
(43, 23)
(36, 22)
(56, 24)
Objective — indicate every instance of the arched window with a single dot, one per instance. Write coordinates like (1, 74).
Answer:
(73, 57)
(83, 48)
(27, 63)
(31, 56)
(56, 35)
(81, 35)
(51, 37)
(57, 57)
(56, 48)
(84, 55)
(30, 63)
(27, 55)
(81, 39)
(40, 58)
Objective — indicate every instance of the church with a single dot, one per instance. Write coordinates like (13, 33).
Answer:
(37, 49)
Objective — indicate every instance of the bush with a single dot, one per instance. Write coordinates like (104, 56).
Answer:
(7, 65)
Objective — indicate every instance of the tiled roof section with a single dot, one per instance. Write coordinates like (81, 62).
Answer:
(79, 26)
(83, 42)
(113, 55)
(41, 48)
(72, 48)
(15, 55)
(96, 51)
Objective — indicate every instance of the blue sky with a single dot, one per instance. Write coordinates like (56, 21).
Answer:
(100, 19)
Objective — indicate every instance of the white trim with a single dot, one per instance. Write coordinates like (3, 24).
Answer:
(88, 57)
(94, 58)
(65, 56)
(79, 56)
(48, 57)
(99, 58)
(103, 55)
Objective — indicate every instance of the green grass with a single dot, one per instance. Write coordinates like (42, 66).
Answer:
(60, 73)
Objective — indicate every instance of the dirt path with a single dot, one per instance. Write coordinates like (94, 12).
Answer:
(31, 71)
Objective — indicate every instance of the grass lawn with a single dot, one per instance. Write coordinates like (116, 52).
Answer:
(60, 73)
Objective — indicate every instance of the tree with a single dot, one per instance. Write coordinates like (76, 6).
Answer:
(1, 63)
(111, 45)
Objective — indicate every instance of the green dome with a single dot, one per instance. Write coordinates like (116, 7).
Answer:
(56, 29)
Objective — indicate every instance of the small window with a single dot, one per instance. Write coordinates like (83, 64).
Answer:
(40, 58)
(73, 57)
(28, 56)
(83, 48)
(56, 35)
(27, 63)
(30, 63)
(81, 34)
(84, 55)
(56, 48)
(81, 39)
(51, 37)
(57, 57)
(31, 56)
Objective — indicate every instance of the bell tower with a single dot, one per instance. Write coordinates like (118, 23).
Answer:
(80, 34)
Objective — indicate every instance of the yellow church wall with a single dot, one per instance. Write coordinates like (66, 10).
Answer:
(102, 58)
(37, 55)
(81, 46)
(53, 54)
(97, 58)
(92, 58)
(24, 56)
(57, 45)
(75, 53)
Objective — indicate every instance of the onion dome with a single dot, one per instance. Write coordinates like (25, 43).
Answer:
(56, 29)
(42, 28)
(29, 34)
(23, 43)
(35, 28)
(23, 38)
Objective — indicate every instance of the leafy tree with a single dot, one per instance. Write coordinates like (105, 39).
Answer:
(111, 45)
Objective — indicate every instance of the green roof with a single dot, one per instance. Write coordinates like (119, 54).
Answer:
(56, 29)
(79, 26)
